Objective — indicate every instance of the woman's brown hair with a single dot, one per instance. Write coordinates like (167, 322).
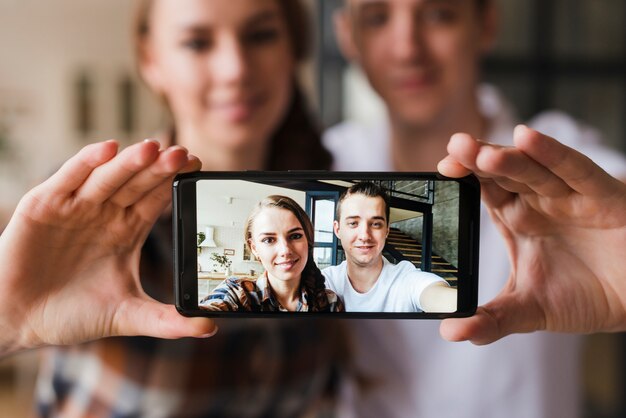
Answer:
(312, 279)
(296, 143)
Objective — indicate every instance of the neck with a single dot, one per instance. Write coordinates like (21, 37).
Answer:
(221, 158)
(420, 147)
(363, 278)
(286, 292)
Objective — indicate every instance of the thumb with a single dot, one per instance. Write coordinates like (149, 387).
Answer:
(154, 319)
(504, 315)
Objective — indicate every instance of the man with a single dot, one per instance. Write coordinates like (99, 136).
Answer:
(422, 58)
(366, 281)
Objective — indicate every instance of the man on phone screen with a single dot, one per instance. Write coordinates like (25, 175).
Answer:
(366, 281)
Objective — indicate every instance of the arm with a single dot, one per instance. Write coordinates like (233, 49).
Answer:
(564, 222)
(439, 297)
(70, 253)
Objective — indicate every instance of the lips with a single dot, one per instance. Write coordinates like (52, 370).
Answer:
(238, 109)
(414, 82)
(286, 265)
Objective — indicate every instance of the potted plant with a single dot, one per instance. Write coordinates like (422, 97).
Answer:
(223, 261)
(201, 237)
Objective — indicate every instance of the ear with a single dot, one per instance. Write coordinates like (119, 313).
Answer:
(344, 33)
(252, 248)
(489, 27)
(149, 68)
(336, 228)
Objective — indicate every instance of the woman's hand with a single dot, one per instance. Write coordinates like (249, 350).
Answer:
(69, 257)
(564, 221)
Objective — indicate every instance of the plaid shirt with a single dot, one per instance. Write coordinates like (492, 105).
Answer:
(256, 295)
(251, 368)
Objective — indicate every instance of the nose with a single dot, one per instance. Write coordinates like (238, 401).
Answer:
(229, 62)
(363, 233)
(284, 248)
(407, 39)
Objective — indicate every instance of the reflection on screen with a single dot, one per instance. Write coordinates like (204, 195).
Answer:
(419, 252)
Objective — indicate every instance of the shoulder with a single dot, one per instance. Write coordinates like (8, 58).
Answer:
(564, 127)
(332, 272)
(233, 286)
(402, 268)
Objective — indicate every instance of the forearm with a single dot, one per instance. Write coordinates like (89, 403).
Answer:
(439, 297)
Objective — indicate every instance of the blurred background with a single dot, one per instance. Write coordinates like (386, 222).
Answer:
(67, 78)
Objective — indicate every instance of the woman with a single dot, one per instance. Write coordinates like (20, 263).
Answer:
(226, 70)
(280, 235)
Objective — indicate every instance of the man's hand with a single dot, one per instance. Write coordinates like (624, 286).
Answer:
(69, 257)
(564, 221)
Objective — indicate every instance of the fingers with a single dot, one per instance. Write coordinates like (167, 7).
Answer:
(510, 168)
(480, 329)
(502, 316)
(106, 179)
(168, 163)
(518, 173)
(572, 167)
(450, 167)
(140, 316)
(77, 169)
(152, 204)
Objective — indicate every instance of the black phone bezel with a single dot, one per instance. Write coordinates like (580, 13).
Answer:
(184, 233)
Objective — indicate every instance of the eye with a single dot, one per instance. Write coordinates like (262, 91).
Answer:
(197, 44)
(296, 236)
(373, 18)
(377, 224)
(262, 36)
(268, 240)
(353, 224)
(439, 15)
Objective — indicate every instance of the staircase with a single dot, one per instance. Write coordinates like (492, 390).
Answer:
(412, 251)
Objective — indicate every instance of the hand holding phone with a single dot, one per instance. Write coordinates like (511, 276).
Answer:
(341, 244)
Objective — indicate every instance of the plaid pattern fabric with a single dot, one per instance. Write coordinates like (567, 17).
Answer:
(255, 295)
(251, 368)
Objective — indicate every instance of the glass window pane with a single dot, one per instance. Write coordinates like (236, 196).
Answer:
(323, 222)
(322, 256)
(599, 103)
(515, 28)
(589, 28)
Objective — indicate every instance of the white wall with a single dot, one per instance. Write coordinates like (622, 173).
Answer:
(226, 205)
(44, 45)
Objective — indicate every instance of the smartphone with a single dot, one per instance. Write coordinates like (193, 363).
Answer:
(345, 244)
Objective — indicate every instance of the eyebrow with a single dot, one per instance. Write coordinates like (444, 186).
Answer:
(265, 16)
(292, 230)
(358, 217)
(377, 3)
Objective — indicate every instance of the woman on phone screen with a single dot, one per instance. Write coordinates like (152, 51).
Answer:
(226, 71)
(280, 235)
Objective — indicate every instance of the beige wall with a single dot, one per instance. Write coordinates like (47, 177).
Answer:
(43, 48)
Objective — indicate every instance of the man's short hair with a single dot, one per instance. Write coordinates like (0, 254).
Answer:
(365, 188)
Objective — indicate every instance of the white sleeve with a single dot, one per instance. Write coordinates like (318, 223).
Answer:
(415, 281)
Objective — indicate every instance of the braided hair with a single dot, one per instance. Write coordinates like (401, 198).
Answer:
(312, 280)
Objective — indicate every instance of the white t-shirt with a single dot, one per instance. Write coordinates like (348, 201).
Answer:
(421, 375)
(398, 288)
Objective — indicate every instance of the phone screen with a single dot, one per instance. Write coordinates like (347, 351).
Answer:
(362, 244)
